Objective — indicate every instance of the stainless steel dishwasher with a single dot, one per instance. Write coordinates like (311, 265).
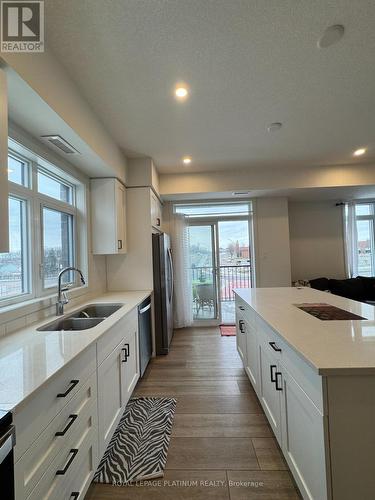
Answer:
(145, 338)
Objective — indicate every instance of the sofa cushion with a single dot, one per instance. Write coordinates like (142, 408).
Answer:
(369, 285)
(320, 284)
(352, 288)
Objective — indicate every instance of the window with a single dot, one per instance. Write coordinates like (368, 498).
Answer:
(18, 171)
(58, 249)
(360, 236)
(42, 227)
(14, 270)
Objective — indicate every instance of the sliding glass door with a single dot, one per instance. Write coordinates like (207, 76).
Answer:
(220, 261)
(203, 267)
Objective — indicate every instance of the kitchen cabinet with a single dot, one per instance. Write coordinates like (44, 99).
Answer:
(110, 396)
(291, 395)
(156, 211)
(118, 374)
(108, 217)
(241, 333)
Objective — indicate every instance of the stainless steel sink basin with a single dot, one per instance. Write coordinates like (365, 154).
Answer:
(82, 319)
(96, 311)
(70, 324)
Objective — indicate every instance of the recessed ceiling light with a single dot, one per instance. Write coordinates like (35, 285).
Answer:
(186, 160)
(181, 92)
(273, 127)
(331, 36)
(359, 152)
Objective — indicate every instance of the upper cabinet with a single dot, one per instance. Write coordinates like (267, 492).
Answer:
(156, 209)
(4, 224)
(108, 216)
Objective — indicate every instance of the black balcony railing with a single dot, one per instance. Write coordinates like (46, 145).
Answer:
(229, 277)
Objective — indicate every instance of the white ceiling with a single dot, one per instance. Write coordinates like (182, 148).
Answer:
(248, 63)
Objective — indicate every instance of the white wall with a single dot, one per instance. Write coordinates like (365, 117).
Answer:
(271, 227)
(316, 240)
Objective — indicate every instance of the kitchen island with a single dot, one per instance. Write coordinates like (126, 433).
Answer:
(314, 375)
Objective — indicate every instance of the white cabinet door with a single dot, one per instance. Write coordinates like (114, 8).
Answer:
(252, 355)
(155, 211)
(130, 364)
(120, 197)
(303, 439)
(110, 396)
(108, 216)
(270, 388)
(241, 336)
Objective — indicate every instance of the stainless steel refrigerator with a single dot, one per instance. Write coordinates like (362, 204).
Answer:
(163, 291)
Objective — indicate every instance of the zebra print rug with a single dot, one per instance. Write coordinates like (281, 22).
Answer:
(139, 446)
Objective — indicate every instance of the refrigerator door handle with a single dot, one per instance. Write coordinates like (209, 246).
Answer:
(170, 263)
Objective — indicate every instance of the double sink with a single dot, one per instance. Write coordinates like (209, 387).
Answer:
(83, 319)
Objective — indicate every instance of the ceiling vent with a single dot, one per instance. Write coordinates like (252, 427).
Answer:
(241, 193)
(58, 142)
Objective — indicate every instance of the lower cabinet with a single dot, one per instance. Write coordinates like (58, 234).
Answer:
(78, 412)
(117, 377)
(297, 422)
(303, 438)
(270, 388)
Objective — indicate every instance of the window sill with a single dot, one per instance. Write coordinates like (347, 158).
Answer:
(31, 306)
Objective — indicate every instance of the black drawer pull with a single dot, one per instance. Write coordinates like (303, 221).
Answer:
(272, 368)
(75, 495)
(68, 425)
(73, 384)
(240, 324)
(274, 346)
(126, 353)
(119, 244)
(63, 471)
(241, 308)
(278, 388)
(127, 350)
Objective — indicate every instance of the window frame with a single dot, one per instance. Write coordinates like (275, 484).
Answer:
(371, 218)
(35, 202)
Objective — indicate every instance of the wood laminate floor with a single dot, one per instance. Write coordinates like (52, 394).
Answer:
(221, 446)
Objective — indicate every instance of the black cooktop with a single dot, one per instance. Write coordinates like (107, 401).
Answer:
(326, 312)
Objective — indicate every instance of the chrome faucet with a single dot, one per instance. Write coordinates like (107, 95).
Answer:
(62, 298)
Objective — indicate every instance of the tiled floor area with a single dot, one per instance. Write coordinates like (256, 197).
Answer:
(222, 446)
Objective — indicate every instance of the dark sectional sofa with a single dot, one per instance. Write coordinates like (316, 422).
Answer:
(360, 288)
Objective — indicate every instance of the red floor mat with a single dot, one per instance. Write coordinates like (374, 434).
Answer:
(227, 330)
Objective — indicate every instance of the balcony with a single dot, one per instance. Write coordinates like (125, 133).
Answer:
(213, 297)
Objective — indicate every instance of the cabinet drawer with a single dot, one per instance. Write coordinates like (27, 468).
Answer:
(33, 464)
(60, 474)
(35, 414)
(307, 378)
(108, 342)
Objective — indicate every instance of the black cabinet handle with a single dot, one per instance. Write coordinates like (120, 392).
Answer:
(272, 368)
(240, 324)
(125, 358)
(278, 388)
(241, 308)
(73, 383)
(158, 222)
(63, 471)
(274, 346)
(75, 495)
(68, 425)
(127, 350)
(119, 244)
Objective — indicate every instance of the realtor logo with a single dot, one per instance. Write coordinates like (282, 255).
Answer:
(22, 26)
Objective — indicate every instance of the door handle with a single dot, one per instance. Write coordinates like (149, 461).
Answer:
(73, 452)
(68, 425)
(272, 368)
(274, 346)
(144, 309)
(73, 383)
(278, 388)
(240, 324)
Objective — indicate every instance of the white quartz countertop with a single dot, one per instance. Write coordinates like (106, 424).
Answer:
(29, 358)
(330, 347)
